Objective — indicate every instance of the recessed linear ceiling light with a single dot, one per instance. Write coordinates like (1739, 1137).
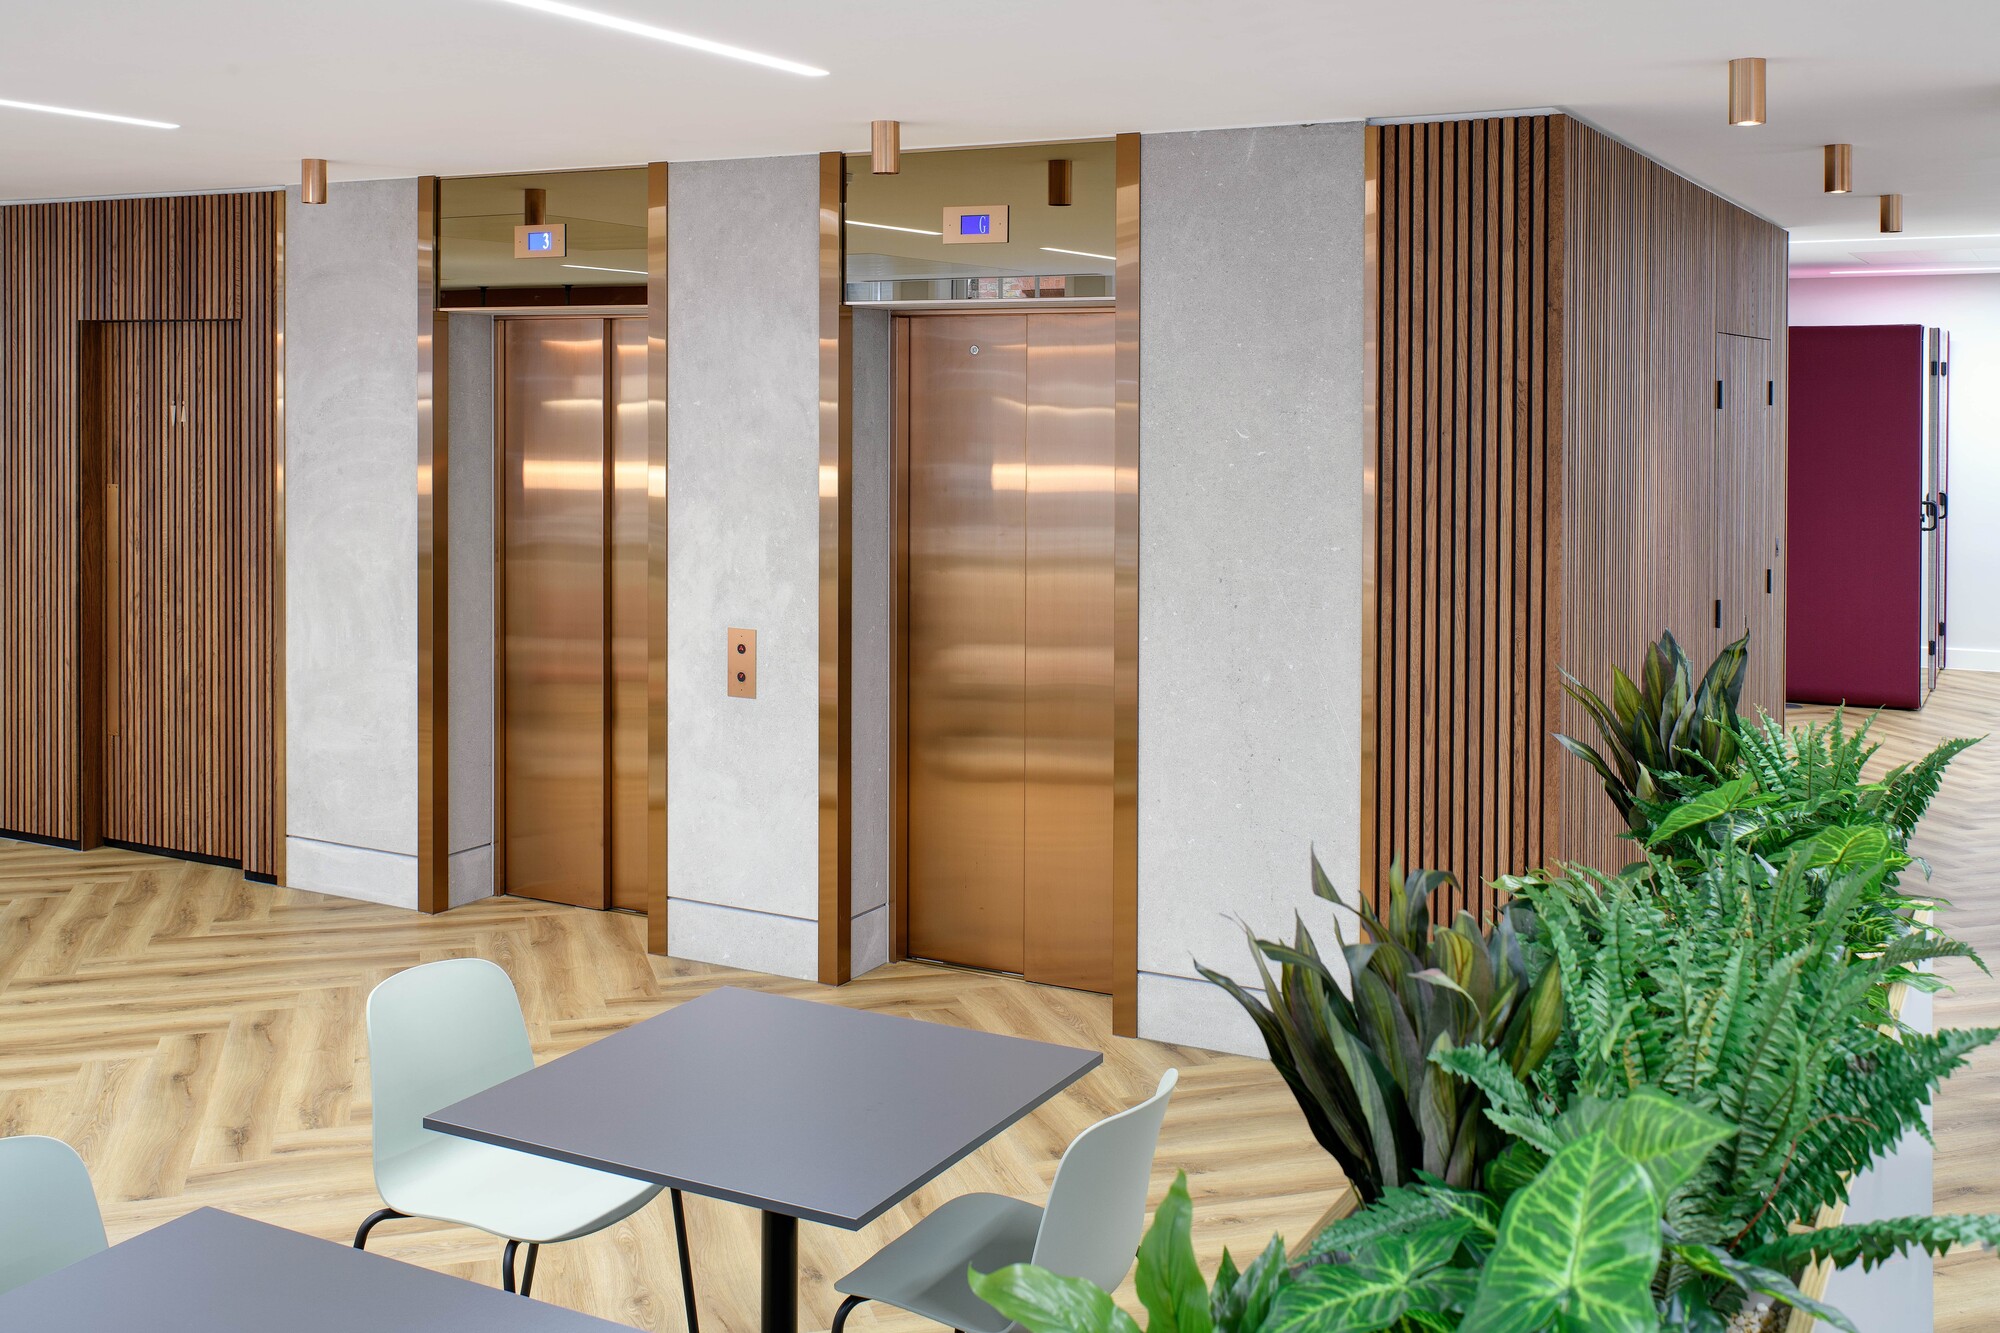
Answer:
(1856, 240)
(599, 268)
(1058, 250)
(638, 29)
(90, 115)
(1903, 272)
(883, 226)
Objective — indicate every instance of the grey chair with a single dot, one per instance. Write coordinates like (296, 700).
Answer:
(50, 1220)
(1090, 1229)
(437, 1033)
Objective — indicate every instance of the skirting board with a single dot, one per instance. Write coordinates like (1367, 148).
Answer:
(785, 946)
(869, 947)
(471, 874)
(1972, 659)
(351, 872)
(1188, 1011)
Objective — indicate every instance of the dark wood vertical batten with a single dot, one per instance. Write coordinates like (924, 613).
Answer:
(1548, 490)
(119, 317)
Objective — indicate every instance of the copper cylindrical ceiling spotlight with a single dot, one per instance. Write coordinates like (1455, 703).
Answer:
(1061, 175)
(1892, 214)
(534, 207)
(1746, 91)
(885, 146)
(1840, 168)
(312, 180)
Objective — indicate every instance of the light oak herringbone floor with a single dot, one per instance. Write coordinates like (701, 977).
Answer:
(199, 1040)
(1961, 840)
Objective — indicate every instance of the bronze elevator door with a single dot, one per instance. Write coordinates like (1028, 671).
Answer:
(161, 429)
(1011, 525)
(572, 415)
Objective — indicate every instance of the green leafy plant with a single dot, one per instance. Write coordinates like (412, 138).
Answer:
(1585, 1243)
(1732, 988)
(1360, 1066)
(1176, 1296)
(1664, 724)
(1804, 789)
(1577, 1249)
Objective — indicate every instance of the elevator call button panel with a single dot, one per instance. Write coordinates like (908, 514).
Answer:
(976, 224)
(742, 663)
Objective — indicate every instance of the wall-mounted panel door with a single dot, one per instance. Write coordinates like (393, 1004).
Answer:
(167, 438)
(554, 611)
(1749, 524)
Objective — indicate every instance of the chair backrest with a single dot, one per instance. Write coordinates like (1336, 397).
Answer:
(48, 1213)
(1097, 1207)
(437, 1034)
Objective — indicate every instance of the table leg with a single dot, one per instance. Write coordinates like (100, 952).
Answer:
(781, 1273)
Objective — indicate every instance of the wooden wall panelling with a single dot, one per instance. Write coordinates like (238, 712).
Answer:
(1545, 307)
(85, 285)
(1467, 257)
(1659, 267)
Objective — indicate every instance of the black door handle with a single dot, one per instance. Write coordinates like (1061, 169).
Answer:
(1930, 520)
(1943, 504)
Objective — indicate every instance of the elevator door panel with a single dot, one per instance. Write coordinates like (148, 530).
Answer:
(967, 642)
(555, 610)
(170, 452)
(629, 662)
(1071, 526)
(1011, 524)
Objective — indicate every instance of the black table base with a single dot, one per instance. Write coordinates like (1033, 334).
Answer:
(781, 1273)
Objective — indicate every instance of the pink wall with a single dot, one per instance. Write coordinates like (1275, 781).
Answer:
(1968, 306)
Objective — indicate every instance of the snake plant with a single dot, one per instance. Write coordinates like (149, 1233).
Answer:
(1360, 1067)
(1665, 724)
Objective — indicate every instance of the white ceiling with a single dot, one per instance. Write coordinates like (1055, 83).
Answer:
(400, 87)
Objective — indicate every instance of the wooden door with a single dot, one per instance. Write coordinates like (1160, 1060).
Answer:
(166, 440)
(1749, 515)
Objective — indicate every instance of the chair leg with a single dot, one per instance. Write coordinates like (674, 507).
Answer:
(379, 1215)
(507, 1265)
(846, 1307)
(528, 1275)
(687, 1264)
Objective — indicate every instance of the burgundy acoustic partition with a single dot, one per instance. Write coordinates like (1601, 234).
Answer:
(1856, 521)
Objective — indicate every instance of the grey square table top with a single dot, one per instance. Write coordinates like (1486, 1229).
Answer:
(811, 1110)
(215, 1272)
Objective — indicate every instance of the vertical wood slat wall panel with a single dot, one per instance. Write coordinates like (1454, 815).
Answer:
(93, 275)
(1464, 327)
(1546, 304)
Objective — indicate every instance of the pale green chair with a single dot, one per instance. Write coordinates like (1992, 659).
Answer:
(438, 1034)
(48, 1213)
(1090, 1229)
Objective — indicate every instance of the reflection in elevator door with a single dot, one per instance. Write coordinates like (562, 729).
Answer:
(572, 421)
(1011, 523)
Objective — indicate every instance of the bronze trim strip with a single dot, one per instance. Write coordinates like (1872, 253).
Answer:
(1125, 611)
(836, 586)
(500, 604)
(433, 571)
(657, 178)
(1371, 448)
(275, 668)
(899, 649)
